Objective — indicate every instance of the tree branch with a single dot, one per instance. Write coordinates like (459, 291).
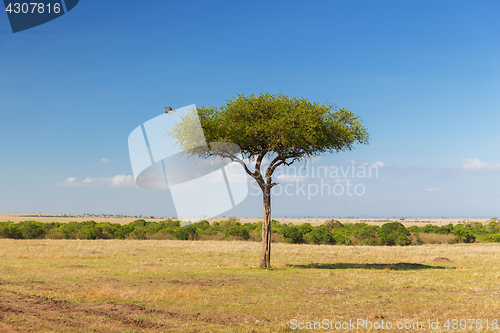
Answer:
(255, 175)
(260, 157)
(240, 161)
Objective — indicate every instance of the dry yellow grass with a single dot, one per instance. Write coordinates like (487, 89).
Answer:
(188, 286)
(313, 221)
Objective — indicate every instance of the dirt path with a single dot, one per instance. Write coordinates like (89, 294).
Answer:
(36, 312)
(5, 328)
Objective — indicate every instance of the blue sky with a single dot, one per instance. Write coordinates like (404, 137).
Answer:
(423, 75)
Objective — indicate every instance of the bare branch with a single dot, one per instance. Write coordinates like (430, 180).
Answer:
(240, 161)
(271, 170)
(255, 175)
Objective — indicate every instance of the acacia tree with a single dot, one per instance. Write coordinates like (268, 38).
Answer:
(284, 129)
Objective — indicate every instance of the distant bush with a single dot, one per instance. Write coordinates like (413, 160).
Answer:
(464, 233)
(394, 233)
(32, 229)
(321, 235)
(495, 238)
(185, 233)
(367, 234)
(331, 232)
(237, 231)
(10, 230)
(293, 234)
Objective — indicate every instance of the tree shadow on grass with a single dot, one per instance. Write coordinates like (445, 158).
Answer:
(400, 266)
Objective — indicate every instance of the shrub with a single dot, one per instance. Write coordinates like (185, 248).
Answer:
(293, 235)
(331, 232)
(185, 233)
(493, 227)
(252, 226)
(394, 233)
(321, 235)
(333, 224)
(230, 222)
(138, 233)
(367, 234)
(305, 228)
(202, 225)
(163, 234)
(237, 231)
(70, 230)
(32, 229)
(170, 223)
(256, 236)
(464, 234)
(413, 228)
(10, 231)
(495, 238)
(138, 222)
(51, 234)
(341, 238)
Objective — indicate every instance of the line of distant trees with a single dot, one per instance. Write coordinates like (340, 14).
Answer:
(85, 215)
(331, 232)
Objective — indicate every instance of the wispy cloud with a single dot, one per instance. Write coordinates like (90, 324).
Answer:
(105, 160)
(475, 165)
(431, 189)
(290, 178)
(116, 181)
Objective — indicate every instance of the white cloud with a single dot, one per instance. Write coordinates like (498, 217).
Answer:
(122, 180)
(378, 164)
(431, 189)
(105, 160)
(338, 180)
(116, 181)
(315, 159)
(290, 178)
(475, 165)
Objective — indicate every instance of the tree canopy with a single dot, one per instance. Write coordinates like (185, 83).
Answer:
(291, 127)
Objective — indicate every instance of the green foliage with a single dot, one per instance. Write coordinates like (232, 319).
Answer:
(492, 227)
(495, 238)
(333, 224)
(464, 233)
(10, 230)
(291, 127)
(368, 234)
(293, 234)
(331, 232)
(185, 233)
(237, 231)
(321, 235)
(394, 233)
(32, 229)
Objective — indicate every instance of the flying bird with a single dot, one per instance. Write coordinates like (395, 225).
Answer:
(168, 109)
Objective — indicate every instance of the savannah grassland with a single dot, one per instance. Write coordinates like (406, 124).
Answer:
(214, 286)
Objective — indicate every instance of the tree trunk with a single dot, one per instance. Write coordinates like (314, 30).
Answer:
(265, 255)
